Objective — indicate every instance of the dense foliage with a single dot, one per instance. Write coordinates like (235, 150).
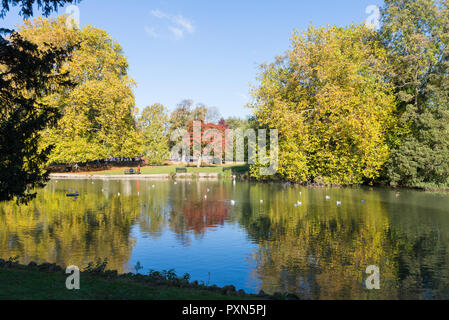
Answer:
(416, 34)
(98, 114)
(154, 128)
(331, 104)
(354, 105)
(27, 75)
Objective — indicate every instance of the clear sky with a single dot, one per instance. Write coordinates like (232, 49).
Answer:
(206, 50)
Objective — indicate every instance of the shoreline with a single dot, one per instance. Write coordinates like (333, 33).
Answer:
(217, 176)
(162, 176)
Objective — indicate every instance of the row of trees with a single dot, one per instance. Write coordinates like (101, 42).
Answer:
(354, 105)
(98, 114)
(66, 97)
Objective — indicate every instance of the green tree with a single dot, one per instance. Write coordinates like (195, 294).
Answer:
(416, 33)
(99, 113)
(26, 6)
(236, 123)
(331, 104)
(27, 74)
(184, 114)
(154, 125)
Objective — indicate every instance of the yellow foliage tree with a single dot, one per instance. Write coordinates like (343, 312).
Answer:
(99, 113)
(331, 102)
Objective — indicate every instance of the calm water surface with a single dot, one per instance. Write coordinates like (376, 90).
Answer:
(318, 250)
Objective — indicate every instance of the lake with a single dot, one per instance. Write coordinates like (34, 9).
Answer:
(274, 237)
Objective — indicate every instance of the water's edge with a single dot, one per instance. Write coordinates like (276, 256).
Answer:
(55, 176)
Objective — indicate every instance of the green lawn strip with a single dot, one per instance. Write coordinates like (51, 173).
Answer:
(172, 169)
(34, 285)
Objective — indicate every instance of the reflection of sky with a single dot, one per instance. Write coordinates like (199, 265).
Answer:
(224, 252)
(314, 249)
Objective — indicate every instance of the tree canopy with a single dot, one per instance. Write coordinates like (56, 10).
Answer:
(99, 113)
(27, 74)
(328, 99)
(154, 127)
(416, 35)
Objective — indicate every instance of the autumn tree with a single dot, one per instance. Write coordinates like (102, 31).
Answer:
(416, 34)
(186, 111)
(210, 137)
(182, 114)
(329, 99)
(154, 126)
(99, 113)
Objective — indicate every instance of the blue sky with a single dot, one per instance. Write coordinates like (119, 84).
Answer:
(206, 50)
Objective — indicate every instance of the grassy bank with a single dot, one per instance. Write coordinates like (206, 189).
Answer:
(35, 285)
(47, 282)
(172, 169)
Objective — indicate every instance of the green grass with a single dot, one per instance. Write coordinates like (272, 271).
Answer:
(24, 284)
(172, 169)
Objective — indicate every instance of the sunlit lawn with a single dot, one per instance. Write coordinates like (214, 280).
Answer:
(172, 169)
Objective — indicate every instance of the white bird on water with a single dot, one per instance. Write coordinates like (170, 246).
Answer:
(338, 203)
(232, 202)
(205, 197)
(118, 194)
(297, 204)
(328, 198)
(261, 201)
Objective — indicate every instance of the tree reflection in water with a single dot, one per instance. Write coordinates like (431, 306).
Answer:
(318, 250)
